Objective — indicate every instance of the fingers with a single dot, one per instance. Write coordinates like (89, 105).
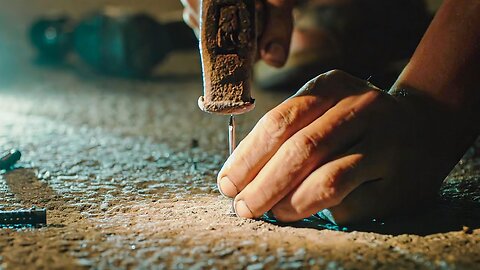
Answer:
(192, 21)
(370, 199)
(192, 5)
(267, 137)
(191, 14)
(313, 100)
(274, 44)
(332, 133)
(325, 187)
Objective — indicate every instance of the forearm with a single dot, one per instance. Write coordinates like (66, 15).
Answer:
(446, 64)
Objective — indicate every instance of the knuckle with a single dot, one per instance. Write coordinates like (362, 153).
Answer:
(328, 83)
(330, 191)
(308, 87)
(332, 175)
(302, 145)
(314, 86)
(298, 209)
(194, 22)
(366, 100)
(244, 163)
(276, 122)
(342, 82)
(286, 213)
(332, 198)
(257, 202)
(190, 4)
(278, 212)
(281, 214)
(190, 19)
(351, 114)
(186, 16)
(372, 95)
(335, 74)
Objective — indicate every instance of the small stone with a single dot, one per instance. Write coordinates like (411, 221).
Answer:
(257, 266)
(73, 236)
(26, 242)
(104, 206)
(467, 230)
(84, 262)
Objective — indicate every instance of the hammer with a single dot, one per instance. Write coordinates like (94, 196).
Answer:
(229, 30)
(228, 45)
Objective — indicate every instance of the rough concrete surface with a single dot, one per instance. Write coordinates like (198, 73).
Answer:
(126, 169)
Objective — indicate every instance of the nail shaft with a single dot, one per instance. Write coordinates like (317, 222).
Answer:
(231, 135)
(231, 148)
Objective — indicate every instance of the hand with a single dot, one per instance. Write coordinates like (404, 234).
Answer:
(342, 144)
(274, 43)
(191, 14)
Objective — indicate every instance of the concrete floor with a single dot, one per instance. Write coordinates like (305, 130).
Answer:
(116, 164)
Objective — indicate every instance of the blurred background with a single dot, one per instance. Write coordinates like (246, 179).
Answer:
(16, 18)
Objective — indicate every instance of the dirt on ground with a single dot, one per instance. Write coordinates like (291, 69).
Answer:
(126, 170)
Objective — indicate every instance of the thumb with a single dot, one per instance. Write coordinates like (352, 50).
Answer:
(274, 44)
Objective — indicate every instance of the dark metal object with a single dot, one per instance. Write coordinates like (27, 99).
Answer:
(52, 37)
(32, 216)
(9, 159)
(115, 42)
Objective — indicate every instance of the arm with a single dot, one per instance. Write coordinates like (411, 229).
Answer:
(446, 64)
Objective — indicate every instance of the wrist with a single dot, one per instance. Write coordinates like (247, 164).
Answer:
(451, 122)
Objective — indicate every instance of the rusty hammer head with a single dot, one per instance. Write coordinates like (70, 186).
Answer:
(228, 45)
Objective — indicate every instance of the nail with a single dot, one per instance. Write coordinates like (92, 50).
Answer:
(242, 210)
(276, 53)
(227, 187)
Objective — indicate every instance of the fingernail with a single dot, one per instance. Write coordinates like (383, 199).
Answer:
(242, 210)
(227, 188)
(276, 53)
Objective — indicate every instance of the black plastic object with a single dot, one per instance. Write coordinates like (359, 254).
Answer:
(118, 43)
(9, 159)
(32, 216)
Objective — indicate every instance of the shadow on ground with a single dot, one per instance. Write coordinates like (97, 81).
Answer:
(443, 217)
(457, 209)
